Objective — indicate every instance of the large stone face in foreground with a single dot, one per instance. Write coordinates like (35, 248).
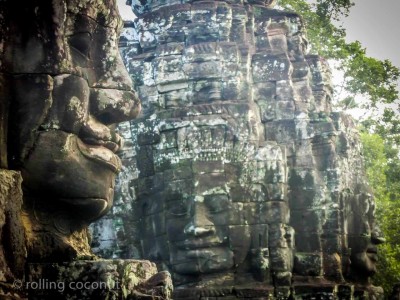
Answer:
(238, 178)
(62, 86)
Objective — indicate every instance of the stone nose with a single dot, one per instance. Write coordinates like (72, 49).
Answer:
(112, 99)
(377, 237)
(199, 224)
(111, 106)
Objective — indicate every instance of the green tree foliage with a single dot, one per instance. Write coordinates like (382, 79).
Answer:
(363, 75)
(383, 171)
(376, 164)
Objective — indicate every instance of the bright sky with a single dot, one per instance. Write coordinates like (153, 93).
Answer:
(124, 10)
(377, 26)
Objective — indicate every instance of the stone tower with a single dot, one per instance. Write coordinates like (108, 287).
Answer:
(240, 179)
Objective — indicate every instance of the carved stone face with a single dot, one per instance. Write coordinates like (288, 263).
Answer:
(364, 237)
(68, 88)
(206, 195)
(365, 258)
(198, 232)
(195, 208)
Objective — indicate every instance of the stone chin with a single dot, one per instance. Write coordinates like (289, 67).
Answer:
(365, 263)
(63, 171)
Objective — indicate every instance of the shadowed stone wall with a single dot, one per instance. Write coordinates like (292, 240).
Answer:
(238, 177)
(63, 87)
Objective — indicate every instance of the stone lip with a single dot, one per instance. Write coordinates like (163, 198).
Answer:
(100, 154)
(198, 244)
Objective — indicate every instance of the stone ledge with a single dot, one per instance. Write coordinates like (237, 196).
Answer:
(98, 279)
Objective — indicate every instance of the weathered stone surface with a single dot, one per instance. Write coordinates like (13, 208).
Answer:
(62, 84)
(103, 279)
(245, 177)
(12, 241)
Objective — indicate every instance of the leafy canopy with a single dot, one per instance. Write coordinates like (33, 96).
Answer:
(383, 172)
(376, 80)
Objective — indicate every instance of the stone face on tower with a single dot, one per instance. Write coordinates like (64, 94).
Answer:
(239, 178)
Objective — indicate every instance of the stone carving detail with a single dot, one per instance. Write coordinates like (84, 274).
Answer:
(102, 279)
(63, 87)
(244, 182)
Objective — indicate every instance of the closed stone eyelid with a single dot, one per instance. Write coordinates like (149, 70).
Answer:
(182, 209)
(223, 205)
(178, 214)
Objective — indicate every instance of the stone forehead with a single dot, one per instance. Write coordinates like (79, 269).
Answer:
(234, 118)
(142, 6)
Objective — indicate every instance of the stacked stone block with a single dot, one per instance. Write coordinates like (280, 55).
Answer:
(235, 109)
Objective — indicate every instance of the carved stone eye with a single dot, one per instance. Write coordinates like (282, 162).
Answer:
(81, 42)
(178, 209)
(217, 203)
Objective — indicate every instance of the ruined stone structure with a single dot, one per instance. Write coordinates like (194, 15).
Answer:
(100, 279)
(238, 177)
(65, 83)
(12, 234)
(63, 87)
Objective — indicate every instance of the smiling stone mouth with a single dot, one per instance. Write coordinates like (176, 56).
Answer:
(101, 153)
(198, 245)
(113, 146)
(95, 133)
